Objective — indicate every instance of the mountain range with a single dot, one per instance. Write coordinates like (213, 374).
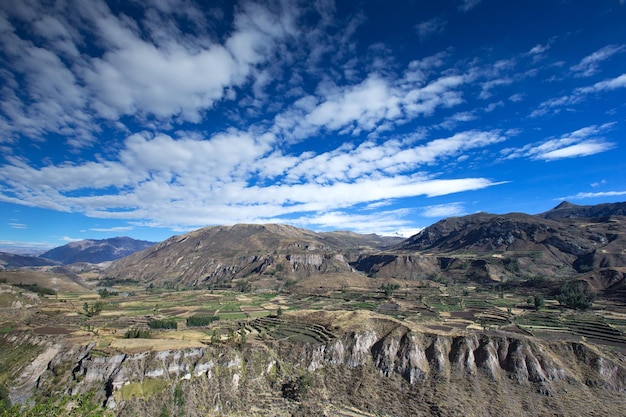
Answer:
(96, 251)
(568, 240)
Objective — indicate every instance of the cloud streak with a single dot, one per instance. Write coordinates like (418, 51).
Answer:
(224, 179)
(583, 142)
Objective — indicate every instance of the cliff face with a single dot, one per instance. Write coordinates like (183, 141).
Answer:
(382, 368)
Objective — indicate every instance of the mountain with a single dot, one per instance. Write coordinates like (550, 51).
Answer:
(96, 251)
(10, 261)
(219, 254)
(569, 211)
(564, 242)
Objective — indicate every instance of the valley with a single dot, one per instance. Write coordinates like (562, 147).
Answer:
(483, 315)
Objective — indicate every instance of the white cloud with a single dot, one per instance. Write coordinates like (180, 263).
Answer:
(579, 95)
(430, 28)
(467, 5)
(147, 69)
(590, 64)
(112, 229)
(538, 49)
(443, 210)
(382, 223)
(232, 177)
(18, 226)
(580, 149)
(603, 194)
(582, 142)
(606, 85)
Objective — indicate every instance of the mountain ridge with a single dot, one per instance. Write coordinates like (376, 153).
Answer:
(96, 250)
(481, 246)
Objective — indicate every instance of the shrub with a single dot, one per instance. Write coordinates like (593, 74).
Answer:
(575, 295)
(298, 389)
(201, 320)
(389, 289)
(137, 334)
(104, 293)
(92, 309)
(163, 324)
(37, 289)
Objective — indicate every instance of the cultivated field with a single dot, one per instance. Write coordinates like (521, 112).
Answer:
(132, 318)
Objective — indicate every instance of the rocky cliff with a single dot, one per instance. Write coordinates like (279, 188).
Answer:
(373, 366)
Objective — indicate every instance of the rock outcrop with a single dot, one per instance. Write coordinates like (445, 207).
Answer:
(381, 367)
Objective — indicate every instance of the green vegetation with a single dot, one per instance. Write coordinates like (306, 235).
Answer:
(297, 389)
(5, 403)
(575, 295)
(163, 324)
(137, 334)
(37, 289)
(389, 288)
(143, 390)
(94, 309)
(104, 293)
(201, 320)
(77, 406)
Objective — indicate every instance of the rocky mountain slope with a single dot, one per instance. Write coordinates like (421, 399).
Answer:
(371, 366)
(564, 242)
(96, 251)
(569, 211)
(221, 254)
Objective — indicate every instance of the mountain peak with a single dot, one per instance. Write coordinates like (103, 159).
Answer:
(565, 205)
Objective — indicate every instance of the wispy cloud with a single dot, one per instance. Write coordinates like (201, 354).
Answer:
(467, 5)
(443, 210)
(236, 177)
(18, 225)
(606, 85)
(429, 28)
(602, 194)
(583, 142)
(65, 88)
(579, 95)
(13, 246)
(590, 64)
(112, 229)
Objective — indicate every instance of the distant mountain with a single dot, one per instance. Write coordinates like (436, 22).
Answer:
(10, 261)
(96, 251)
(567, 210)
(220, 254)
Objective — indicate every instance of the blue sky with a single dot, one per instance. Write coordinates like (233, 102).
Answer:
(372, 116)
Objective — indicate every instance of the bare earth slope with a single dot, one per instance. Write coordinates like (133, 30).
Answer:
(220, 254)
(564, 242)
